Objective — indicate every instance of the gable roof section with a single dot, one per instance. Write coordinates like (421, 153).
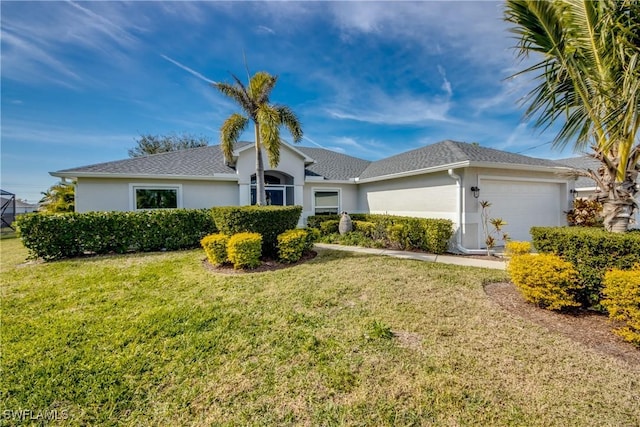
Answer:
(333, 166)
(449, 153)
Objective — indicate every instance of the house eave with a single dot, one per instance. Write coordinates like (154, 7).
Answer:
(213, 177)
(321, 180)
(532, 168)
(415, 172)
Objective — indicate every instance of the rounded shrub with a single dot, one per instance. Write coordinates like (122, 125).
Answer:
(244, 250)
(545, 280)
(329, 226)
(215, 246)
(365, 227)
(515, 248)
(291, 245)
(268, 221)
(622, 301)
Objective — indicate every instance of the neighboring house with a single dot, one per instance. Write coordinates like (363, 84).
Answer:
(433, 181)
(586, 187)
(12, 207)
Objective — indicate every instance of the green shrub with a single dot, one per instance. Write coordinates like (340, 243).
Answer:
(57, 236)
(313, 235)
(244, 250)
(438, 232)
(314, 221)
(268, 221)
(592, 252)
(622, 301)
(292, 245)
(546, 280)
(215, 246)
(365, 227)
(398, 235)
(329, 226)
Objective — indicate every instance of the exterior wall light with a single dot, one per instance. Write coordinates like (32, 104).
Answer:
(475, 191)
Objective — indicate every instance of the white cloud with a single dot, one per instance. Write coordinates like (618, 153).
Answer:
(403, 109)
(264, 29)
(446, 85)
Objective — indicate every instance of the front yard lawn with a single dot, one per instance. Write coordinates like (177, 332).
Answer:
(156, 339)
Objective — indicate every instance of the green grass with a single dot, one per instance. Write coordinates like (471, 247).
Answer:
(155, 339)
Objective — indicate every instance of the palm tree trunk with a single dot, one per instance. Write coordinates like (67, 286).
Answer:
(261, 194)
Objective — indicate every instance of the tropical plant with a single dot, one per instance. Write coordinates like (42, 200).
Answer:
(267, 118)
(60, 197)
(588, 77)
(491, 227)
(153, 144)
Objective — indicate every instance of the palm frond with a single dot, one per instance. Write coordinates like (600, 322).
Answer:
(289, 119)
(260, 87)
(230, 131)
(269, 120)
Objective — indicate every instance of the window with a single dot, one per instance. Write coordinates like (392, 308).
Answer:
(156, 197)
(326, 202)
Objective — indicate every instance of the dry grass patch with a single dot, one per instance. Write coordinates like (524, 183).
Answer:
(163, 342)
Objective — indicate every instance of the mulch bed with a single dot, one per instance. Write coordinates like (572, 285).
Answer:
(591, 329)
(267, 265)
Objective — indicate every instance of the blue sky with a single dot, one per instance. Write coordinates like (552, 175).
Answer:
(80, 81)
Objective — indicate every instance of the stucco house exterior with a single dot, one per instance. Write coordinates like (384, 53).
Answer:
(443, 180)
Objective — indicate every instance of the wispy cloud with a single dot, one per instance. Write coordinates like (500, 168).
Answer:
(188, 70)
(264, 29)
(446, 85)
(384, 109)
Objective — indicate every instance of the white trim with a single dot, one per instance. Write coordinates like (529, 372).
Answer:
(307, 159)
(513, 178)
(214, 177)
(320, 179)
(325, 189)
(440, 168)
(147, 186)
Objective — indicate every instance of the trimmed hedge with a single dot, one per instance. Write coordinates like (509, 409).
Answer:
(268, 221)
(57, 236)
(215, 246)
(429, 234)
(622, 301)
(244, 250)
(545, 280)
(592, 252)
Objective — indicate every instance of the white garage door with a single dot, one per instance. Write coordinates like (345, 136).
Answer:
(524, 204)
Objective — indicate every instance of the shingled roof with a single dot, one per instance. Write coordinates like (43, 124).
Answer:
(332, 165)
(200, 161)
(447, 153)
(209, 160)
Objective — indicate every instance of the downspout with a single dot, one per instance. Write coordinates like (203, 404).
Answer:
(458, 243)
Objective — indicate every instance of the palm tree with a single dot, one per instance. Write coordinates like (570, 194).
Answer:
(267, 119)
(59, 197)
(588, 79)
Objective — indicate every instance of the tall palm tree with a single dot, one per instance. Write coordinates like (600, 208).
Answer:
(267, 120)
(588, 79)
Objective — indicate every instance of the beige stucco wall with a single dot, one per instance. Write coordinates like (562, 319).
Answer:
(426, 196)
(291, 163)
(100, 194)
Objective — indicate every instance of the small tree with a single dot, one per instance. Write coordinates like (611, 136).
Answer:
(492, 227)
(59, 197)
(148, 144)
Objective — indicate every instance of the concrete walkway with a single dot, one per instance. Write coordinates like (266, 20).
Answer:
(444, 259)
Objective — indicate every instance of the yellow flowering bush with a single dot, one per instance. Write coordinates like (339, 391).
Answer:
(546, 280)
(622, 301)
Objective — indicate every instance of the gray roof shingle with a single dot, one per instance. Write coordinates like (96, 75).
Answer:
(200, 161)
(208, 160)
(332, 165)
(445, 153)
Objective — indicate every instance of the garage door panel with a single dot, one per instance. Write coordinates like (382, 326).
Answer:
(523, 204)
